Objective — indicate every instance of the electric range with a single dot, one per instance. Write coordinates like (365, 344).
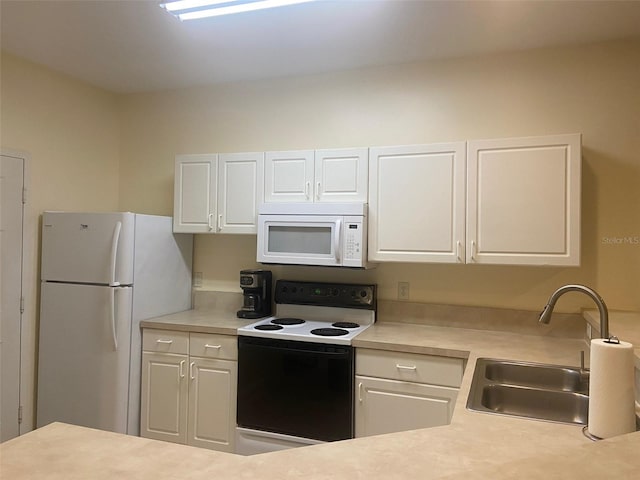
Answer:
(296, 369)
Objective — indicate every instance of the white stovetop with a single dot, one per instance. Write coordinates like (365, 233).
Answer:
(315, 317)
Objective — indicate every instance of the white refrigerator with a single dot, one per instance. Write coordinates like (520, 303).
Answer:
(102, 273)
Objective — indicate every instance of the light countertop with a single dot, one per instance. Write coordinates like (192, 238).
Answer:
(474, 444)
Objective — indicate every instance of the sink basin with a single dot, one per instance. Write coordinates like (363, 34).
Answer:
(548, 377)
(539, 391)
(554, 406)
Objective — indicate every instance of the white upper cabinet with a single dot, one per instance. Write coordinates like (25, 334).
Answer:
(417, 203)
(336, 175)
(341, 175)
(194, 196)
(240, 183)
(217, 193)
(288, 176)
(524, 200)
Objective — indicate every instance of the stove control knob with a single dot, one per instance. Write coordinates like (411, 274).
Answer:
(335, 292)
(363, 293)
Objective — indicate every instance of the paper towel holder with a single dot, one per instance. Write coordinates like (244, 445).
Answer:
(613, 339)
(589, 435)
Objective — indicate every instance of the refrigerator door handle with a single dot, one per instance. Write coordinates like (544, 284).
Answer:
(114, 334)
(114, 254)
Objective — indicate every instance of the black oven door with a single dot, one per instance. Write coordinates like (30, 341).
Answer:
(296, 388)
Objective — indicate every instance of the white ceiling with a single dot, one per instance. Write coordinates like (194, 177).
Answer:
(133, 45)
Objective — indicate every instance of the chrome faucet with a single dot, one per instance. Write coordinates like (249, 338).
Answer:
(545, 315)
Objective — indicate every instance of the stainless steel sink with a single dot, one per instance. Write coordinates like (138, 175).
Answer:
(547, 377)
(531, 390)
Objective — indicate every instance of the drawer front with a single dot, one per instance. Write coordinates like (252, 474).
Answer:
(410, 367)
(165, 341)
(213, 346)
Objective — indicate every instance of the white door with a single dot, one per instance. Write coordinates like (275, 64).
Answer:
(386, 406)
(524, 200)
(240, 185)
(83, 362)
(416, 203)
(288, 176)
(164, 397)
(212, 404)
(194, 195)
(11, 229)
(88, 247)
(341, 175)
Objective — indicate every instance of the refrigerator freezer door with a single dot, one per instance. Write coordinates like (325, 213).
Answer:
(162, 268)
(82, 378)
(92, 248)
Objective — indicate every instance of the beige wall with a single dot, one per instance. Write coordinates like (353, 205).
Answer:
(592, 90)
(69, 131)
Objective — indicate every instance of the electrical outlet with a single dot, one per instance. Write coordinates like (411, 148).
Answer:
(197, 279)
(403, 290)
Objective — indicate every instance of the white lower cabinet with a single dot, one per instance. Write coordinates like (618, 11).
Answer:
(164, 397)
(189, 388)
(397, 391)
(212, 404)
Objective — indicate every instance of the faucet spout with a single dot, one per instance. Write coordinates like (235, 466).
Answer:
(545, 315)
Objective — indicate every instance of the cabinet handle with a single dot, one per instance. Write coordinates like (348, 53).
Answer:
(458, 257)
(318, 191)
(473, 250)
(360, 392)
(164, 342)
(210, 221)
(306, 189)
(219, 222)
(182, 368)
(413, 368)
(217, 347)
(191, 375)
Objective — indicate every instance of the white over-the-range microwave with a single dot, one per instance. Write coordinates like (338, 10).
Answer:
(326, 234)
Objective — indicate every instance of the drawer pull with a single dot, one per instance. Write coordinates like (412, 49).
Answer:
(164, 342)
(217, 347)
(182, 368)
(412, 368)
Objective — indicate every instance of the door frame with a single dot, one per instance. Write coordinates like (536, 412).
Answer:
(28, 330)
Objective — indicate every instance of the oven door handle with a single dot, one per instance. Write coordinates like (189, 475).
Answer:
(297, 350)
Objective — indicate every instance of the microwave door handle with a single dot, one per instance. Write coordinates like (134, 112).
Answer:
(336, 239)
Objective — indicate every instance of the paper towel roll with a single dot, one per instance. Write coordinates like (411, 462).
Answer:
(611, 394)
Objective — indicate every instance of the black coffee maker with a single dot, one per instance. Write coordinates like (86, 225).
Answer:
(256, 290)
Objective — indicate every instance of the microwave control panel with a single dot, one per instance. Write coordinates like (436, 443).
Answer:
(354, 236)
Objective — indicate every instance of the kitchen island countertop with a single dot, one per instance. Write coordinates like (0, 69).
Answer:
(475, 445)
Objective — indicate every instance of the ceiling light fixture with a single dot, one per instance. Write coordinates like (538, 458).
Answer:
(194, 9)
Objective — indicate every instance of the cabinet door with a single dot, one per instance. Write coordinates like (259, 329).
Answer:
(194, 195)
(212, 403)
(164, 397)
(240, 186)
(341, 175)
(524, 201)
(416, 203)
(386, 406)
(288, 176)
